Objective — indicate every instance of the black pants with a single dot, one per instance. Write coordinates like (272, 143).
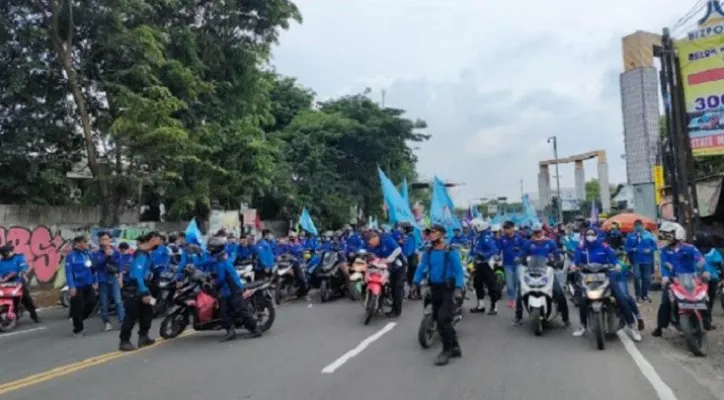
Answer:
(485, 277)
(81, 306)
(136, 311)
(412, 262)
(443, 311)
(397, 283)
(301, 279)
(234, 308)
(713, 286)
(27, 301)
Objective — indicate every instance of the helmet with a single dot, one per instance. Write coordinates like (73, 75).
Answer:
(480, 225)
(327, 234)
(674, 229)
(537, 227)
(496, 228)
(216, 244)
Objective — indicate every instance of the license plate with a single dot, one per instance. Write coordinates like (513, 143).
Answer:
(692, 306)
(595, 277)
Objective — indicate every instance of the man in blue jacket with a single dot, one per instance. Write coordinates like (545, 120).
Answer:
(137, 296)
(106, 264)
(82, 282)
(512, 248)
(677, 258)
(230, 288)
(640, 247)
(386, 248)
(13, 268)
(485, 250)
(442, 267)
(410, 248)
(594, 251)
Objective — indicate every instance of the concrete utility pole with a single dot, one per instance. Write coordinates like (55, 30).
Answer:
(559, 209)
(384, 96)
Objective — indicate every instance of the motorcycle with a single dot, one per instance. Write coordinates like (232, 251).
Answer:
(285, 281)
(689, 303)
(536, 291)
(427, 333)
(357, 272)
(604, 317)
(11, 309)
(331, 279)
(378, 295)
(194, 303)
(166, 287)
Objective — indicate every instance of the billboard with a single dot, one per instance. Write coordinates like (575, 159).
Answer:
(702, 72)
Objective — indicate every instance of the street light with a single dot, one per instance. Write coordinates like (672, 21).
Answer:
(559, 209)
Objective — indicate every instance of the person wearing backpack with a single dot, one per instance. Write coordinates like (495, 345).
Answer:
(441, 265)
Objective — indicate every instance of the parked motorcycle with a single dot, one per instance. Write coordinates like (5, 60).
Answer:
(11, 309)
(427, 333)
(357, 272)
(536, 291)
(331, 279)
(195, 304)
(284, 280)
(689, 300)
(166, 288)
(378, 296)
(604, 317)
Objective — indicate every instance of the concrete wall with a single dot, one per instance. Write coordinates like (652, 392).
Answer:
(45, 215)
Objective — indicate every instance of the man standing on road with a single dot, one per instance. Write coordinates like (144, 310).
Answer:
(137, 298)
(107, 263)
(443, 268)
(640, 247)
(82, 282)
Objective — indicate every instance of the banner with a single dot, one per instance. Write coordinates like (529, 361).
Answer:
(702, 72)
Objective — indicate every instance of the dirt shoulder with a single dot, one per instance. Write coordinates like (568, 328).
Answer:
(709, 371)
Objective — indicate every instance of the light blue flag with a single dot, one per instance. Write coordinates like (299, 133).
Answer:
(442, 208)
(194, 235)
(476, 212)
(398, 209)
(305, 221)
(403, 191)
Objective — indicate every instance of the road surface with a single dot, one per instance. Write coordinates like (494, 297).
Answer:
(380, 361)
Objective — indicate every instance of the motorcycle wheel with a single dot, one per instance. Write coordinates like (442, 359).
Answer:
(598, 329)
(324, 292)
(8, 325)
(536, 322)
(172, 325)
(694, 335)
(371, 307)
(265, 305)
(426, 332)
(278, 295)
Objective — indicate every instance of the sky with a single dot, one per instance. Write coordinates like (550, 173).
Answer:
(493, 79)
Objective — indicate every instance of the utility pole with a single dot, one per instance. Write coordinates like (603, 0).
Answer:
(384, 96)
(559, 210)
(521, 190)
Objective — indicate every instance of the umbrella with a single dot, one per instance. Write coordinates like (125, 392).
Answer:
(626, 222)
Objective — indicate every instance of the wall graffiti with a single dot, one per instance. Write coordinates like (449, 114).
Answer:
(43, 249)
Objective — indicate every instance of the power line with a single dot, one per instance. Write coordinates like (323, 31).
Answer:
(690, 14)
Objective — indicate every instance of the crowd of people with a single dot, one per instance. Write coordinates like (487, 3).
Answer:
(126, 276)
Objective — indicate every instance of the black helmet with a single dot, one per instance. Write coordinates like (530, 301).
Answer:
(216, 244)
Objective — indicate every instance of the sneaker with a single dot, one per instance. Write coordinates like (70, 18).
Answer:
(517, 321)
(656, 332)
(126, 346)
(144, 341)
(456, 353)
(442, 359)
(79, 334)
(579, 332)
(107, 327)
(493, 310)
(635, 334)
(511, 303)
(35, 318)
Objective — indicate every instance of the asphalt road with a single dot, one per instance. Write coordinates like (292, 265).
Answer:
(500, 362)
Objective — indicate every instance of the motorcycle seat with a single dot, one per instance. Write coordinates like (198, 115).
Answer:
(254, 285)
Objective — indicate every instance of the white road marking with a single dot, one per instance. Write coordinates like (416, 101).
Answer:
(363, 345)
(4, 335)
(662, 389)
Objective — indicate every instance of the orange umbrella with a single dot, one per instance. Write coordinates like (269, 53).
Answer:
(626, 222)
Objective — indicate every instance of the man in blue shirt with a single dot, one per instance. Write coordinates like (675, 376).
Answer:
(106, 262)
(264, 250)
(13, 268)
(677, 258)
(386, 248)
(484, 251)
(82, 281)
(640, 247)
(410, 248)
(137, 296)
(512, 247)
(230, 289)
(442, 267)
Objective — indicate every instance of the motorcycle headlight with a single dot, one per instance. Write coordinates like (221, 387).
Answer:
(595, 294)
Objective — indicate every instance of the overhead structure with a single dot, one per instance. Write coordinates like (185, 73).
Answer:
(544, 178)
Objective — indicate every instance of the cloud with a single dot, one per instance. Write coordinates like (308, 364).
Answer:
(492, 80)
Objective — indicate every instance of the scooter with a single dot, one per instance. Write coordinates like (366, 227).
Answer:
(378, 296)
(285, 281)
(604, 317)
(11, 309)
(536, 291)
(357, 272)
(689, 305)
(331, 279)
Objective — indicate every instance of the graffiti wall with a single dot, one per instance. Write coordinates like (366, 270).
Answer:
(43, 248)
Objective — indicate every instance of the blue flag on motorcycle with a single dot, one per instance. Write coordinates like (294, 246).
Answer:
(305, 221)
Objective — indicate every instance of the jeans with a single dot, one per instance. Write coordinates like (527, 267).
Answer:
(511, 281)
(642, 279)
(106, 291)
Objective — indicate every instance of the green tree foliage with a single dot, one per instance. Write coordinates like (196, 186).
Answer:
(174, 98)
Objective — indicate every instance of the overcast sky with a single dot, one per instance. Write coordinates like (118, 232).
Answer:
(493, 79)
